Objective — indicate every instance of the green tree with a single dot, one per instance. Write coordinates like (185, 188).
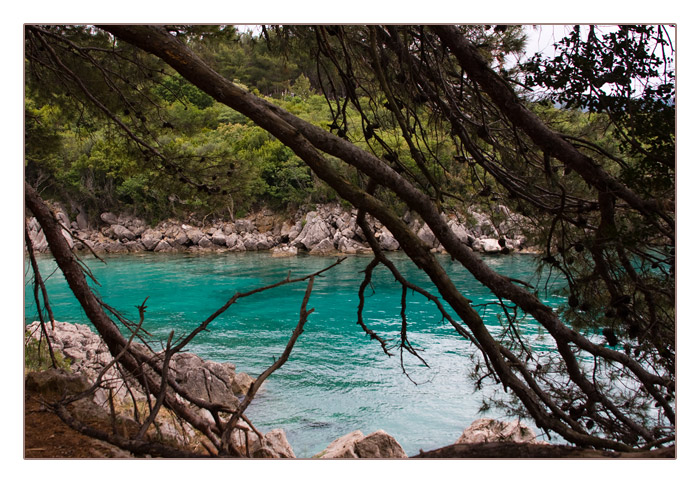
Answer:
(302, 87)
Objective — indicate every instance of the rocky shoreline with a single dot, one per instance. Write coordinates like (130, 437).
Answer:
(217, 382)
(326, 230)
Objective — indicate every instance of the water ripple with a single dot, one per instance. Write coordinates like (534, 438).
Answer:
(337, 379)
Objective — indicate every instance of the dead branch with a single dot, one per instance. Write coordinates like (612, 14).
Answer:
(39, 284)
(137, 447)
(303, 316)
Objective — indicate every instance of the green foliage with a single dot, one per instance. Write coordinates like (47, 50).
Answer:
(628, 74)
(302, 87)
(37, 357)
(618, 92)
(175, 88)
(218, 162)
(42, 142)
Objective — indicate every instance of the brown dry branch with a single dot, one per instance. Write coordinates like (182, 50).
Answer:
(39, 284)
(303, 317)
(152, 374)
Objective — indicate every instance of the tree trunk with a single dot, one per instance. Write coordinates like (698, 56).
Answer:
(530, 451)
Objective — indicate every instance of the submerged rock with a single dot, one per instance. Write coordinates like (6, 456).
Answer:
(284, 251)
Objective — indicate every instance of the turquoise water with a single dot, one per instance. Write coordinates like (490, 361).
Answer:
(337, 380)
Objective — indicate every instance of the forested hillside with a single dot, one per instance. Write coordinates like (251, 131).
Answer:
(216, 160)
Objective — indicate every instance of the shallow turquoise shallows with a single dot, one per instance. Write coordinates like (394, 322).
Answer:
(337, 380)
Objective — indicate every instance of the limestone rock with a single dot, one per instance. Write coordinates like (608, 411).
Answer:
(489, 245)
(137, 226)
(265, 230)
(256, 241)
(379, 445)
(33, 224)
(426, 234)
(217, 382)
(114, 247)
(56, 382)
(350, 246)
(204, 379)
(343, 447)
(244, 226)
(179, 240)
(150, 238)
(488, 430)
(482, 226)
(81, 220)
(356, 445)
(235, 243)
(227, 228)
(219, 238)
(163, 246)
(346, 221)
(324, 247)
(194, 235)
(109, 218)
(284, 251)
(386, 240)
(63, 219)
(121, 232)
(37, 237)
(135, 246)
(296, 229)
(315, 230)
(460, 231)
(273, 445)
(240, 383)
(286, 229)
(205, 242)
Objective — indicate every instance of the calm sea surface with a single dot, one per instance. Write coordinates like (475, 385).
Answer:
(337, 380)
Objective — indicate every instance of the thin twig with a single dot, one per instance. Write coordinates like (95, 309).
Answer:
(303, 316)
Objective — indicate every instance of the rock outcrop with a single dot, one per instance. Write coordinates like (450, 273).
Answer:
(274, 444)
(378, 445)
(328, 229)
(217, 382)
(487, 430)
(211, 381)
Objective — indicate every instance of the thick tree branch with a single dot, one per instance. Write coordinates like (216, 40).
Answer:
(551, 142)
